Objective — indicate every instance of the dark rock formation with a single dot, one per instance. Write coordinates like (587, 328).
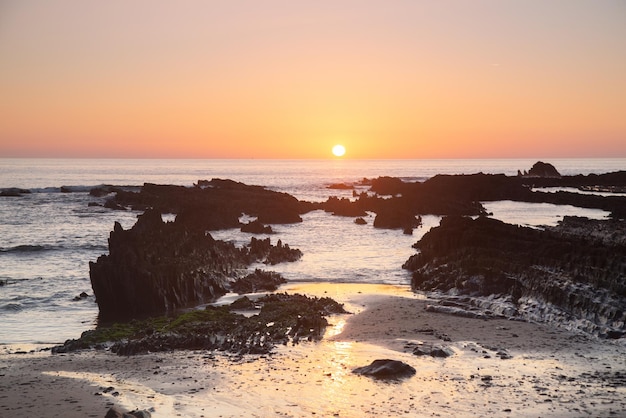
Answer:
(82, 296)
(386, 369)
(343, 207)
(609, 233)
(111, 204)
(433, 351)
(13, 192)
(157, 267)
(214, 204)
(616, 205)
(462, 194)
(388, 186)
(282, 318)
(582, 277)
(340, 186)
(541, 169)
(262, 250)
(258, 281)
(390, 217)
(256, 227)
(440, 195)
(244, 304)
(615, 179)
(217, 204)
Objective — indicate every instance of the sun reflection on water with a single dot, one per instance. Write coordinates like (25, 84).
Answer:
(335, 329)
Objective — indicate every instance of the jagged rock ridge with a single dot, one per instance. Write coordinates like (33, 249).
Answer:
(584, 278)
(158, 267)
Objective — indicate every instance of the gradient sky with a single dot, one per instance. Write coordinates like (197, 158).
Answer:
(289, 79)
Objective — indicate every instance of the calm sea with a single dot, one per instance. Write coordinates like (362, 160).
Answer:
(48, 237)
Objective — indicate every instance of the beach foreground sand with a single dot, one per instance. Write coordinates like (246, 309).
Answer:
(499, 368)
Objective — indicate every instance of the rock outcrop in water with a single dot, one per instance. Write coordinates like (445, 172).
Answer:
(158, 267)
(397, 203)
(214, 204)
(558, 275)
(541, 169)
(462, 194)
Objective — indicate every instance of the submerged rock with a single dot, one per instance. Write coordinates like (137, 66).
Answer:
(386, 369)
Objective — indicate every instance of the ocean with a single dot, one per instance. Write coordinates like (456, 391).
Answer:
(49, 236)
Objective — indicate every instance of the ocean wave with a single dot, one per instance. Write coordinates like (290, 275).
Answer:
(18, 191)
(25, 249)
(12, 307)
(30, 249)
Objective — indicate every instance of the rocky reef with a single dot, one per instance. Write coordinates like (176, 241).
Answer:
(158, 267)
(573, 274)
(211, 205)
(278, 319)
(398, 204)
(462, 194)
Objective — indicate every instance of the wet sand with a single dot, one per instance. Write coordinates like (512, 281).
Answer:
(549, 372)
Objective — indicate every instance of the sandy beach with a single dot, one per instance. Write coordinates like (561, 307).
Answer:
(499, 368)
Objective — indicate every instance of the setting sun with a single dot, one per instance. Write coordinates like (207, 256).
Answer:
(339, 150)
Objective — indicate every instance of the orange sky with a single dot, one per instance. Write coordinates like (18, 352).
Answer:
(287, 79)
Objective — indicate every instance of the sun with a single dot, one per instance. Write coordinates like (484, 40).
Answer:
(339, 150)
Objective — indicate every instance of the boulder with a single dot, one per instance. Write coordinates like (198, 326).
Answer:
(256, 227)
(386, 369)
(433, 351)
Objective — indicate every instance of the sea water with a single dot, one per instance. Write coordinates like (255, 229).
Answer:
(49, 236)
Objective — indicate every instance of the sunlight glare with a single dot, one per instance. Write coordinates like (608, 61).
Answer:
(339, 150)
